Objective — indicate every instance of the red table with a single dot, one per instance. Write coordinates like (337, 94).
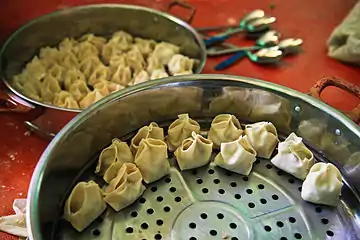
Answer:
(310, 20)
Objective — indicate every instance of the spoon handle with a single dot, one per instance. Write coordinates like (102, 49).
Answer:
(231, 60)
(214, 53)
(222, 36)
(215, 28)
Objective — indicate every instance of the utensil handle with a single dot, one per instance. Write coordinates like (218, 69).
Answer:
(232, 50)
(215, 28)
(320, 85)
(9, 102)
(188, 6)
(217, 39)
(231, 60)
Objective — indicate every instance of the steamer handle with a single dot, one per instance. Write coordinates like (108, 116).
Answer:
(192, 10)
(320, 85)
(9, 102)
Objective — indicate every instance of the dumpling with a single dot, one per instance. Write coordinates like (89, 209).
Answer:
(65, 100)
(85, 49)
(180, 63)
(56, 71)
(48, 88)
(151, 131)
(110, 50)
(164, 52)
(79, 90)
(181, 129)
(224, 128)
(142, 76)
(153, 64)
(135, 60)
(101, 73)
(152, 159)
(322, 185)
(123, 39)
(36, 69)
(158, 73)
(97, 41)
(294, 157)
(68, 45)
(117, 60)
(72, 75)
(237, 156)
(122, 75)
(183, 73)
(88, 65)
(125, 188)
(194, 152)
(31, 89)
(49, 56)
(106, 87)
(118, 151)
(68, 60)
(263, 137)
(84, 205)
(91, 98)
(146, 46)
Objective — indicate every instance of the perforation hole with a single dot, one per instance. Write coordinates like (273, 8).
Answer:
(167, 209)
(228, 173)
(263, 201)
(199, 181)
(297, 236)
(220, 216)
(251, 205)
(158, 236)
(205, 190)
(159, 199)
(192, 225)
(275, 197)
(150, 211)
(213, 232)
(129, 230)
(249, 191)
(96, 232)
(330, 233)
(279, 172)
(193, 238)
(291, 180)
(159, 222)
(261, 186)
(245, 179)
(234, 238)
(144, 226)
(178, 199)
(142, 200)
(221, 191)
(237, 196)
(292, 219)
(279, 224)
(232, 225)
(318, 209)
(194, 172)
(203, 216)
(168, 180)
(211, 171)
(324, 221)
(216, 181)
(300, 188)
(172, 189)
(153, 189)
(233, 184)
(134, 214)
(269, 166)
(283, 238)
(267, 228)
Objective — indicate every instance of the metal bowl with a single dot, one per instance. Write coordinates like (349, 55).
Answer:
(267, 204)
(100, 19)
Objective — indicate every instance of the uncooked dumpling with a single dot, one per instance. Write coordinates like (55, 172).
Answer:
(151, 131)
(263, 137)
(122, 75)
(36, 69)
(146, 46)
(194, 152)
(224, 128)
(180, 63)
(294, 157)
(237, 156)
(91, 98)
(125, 188)
(164, 52)
(97, 41)
(322, 185)
(135, 60)
(73, 75)
(141, 77)
(158, 73)
(152, 159)
(101, 73)
(65, 99)
(85, 49)
(48, 88)
(181, 129)
(107, 87)
(79, 90)
(84, 205)
(118, 151)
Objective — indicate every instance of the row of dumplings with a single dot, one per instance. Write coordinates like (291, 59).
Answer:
(77, 73)
(125, 167)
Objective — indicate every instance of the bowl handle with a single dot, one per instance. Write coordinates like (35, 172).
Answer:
(320, 85)
(9, 102)
(188, 6)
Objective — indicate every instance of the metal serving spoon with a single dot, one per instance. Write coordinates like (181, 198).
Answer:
(269, 39)
(265, 55)
(251, 27)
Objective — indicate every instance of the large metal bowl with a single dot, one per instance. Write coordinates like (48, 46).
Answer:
(330, 134)
(100, 19)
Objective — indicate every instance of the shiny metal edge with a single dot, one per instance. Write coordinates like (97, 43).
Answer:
(198, 38)
(33, 229)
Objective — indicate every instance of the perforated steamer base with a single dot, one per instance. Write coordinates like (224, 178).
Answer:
(212, 203)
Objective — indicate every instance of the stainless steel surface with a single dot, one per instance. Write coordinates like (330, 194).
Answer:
(336, 140)
(100, 19)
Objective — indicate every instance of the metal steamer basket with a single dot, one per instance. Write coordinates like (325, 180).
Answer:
(208, 202)
(99, 19)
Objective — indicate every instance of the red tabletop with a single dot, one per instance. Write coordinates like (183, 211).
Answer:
(310, 20)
